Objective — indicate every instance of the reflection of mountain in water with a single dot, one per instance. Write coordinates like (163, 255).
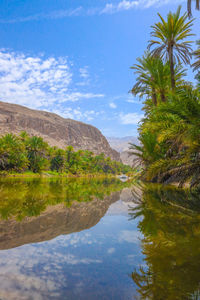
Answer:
(54, 221)
(126, 202)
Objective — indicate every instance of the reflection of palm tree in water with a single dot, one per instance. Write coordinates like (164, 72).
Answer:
(171, 244)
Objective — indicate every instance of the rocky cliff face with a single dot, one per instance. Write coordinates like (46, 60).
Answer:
(122, 146)
(126, 158)
(56, 130)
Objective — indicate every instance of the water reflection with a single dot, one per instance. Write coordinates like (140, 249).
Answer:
(81, 239)
(77, 264)
(171, 244)
(22, 198)
(49, 208)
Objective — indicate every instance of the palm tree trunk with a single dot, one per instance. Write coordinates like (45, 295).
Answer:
(154, 97)
(171, 62)
(162, 95)
(189, 7)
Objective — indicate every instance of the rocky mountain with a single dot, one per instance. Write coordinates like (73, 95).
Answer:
(122, 145)
(56, 130)
(126, 158)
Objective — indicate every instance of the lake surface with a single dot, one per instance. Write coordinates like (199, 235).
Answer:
(98, 239)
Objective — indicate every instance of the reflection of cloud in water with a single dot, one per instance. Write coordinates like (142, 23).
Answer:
(131, 259)
(129, 236)
(19, 286)
(38, 273)
(82, 265)
(74, 240)
(111, 250)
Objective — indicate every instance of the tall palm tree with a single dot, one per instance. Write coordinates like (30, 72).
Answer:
(145, 82)
(170, 40)
(153, 77)
(189, 6)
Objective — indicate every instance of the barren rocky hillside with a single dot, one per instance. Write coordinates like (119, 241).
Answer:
(122, 146)
(56, 130)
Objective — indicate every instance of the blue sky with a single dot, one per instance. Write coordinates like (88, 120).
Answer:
(73, 57)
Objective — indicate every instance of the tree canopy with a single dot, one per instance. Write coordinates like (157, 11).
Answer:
(24, 152)
(169, 134)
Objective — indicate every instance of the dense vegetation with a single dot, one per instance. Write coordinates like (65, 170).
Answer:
(169, 134)
(24, 152)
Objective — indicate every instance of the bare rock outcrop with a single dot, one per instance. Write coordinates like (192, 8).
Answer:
(122, 145)
(56, 130)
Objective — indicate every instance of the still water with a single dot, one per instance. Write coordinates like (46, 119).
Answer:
(98, 239)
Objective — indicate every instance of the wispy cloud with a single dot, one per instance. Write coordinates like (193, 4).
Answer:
(112, 105)
(84, 72)
(130, 118)
(124, 97)
(149, 3)
(84, 76)
(129, 236)
(57, 14)
(134, 101)
(38, 82)
(77, 113)
(109, 8)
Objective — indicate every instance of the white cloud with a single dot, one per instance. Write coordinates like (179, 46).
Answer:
(110, 8)
(126, 5)
(149, 3)
(129, 100)
(84, 76)
(76, 114)
(75, 96)
(57, 14)
(84, 73)
(112, 105)
(124, 97)
(131, 118)
(38, 82)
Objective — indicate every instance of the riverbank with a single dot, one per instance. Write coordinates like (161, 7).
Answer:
(58, 175)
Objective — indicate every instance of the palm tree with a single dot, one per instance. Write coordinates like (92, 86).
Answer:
(12, 153)
(147, 152)
(189, 6)
(170, 42)
(37, 149)
(145, 80)
(177, 125)
(196, 64)
(153, 77)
